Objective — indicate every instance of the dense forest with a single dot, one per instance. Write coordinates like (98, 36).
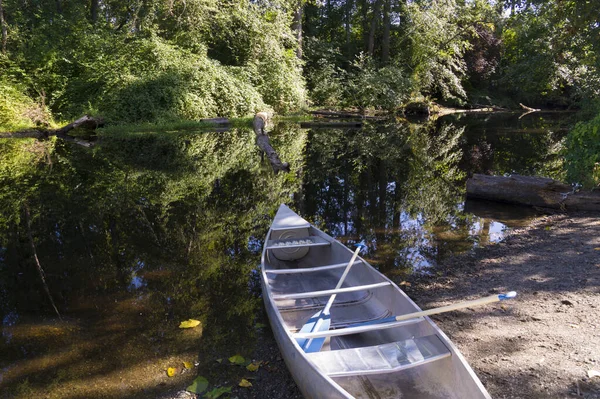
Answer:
(164, 60)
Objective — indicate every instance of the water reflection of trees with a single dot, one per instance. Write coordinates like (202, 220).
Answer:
(165, 217)
(387, 183)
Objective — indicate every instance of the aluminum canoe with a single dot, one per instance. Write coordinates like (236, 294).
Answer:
(300, 268)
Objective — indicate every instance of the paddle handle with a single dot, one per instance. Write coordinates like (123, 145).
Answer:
(339, 284)
(460, 305)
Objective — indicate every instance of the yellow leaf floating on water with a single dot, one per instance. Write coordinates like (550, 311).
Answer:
(237, 359)
(253, 366)
(244, 383)
(188, 365)
(171, 371)
(191, 323)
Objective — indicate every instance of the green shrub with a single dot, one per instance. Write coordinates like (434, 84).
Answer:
(17, 110)
(380, 88)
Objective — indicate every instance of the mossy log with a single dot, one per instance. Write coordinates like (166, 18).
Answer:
(533, 191)
(85, 122)
(262, 141)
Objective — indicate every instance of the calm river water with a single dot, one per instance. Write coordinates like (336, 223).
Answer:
(146, 230)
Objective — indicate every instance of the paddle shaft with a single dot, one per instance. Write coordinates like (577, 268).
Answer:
(390, 322)
(339, 284)
(449, 308)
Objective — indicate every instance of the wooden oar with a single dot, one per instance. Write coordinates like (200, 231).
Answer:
(389, 322)
(321, 320)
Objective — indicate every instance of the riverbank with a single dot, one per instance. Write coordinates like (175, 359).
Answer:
(544, 343)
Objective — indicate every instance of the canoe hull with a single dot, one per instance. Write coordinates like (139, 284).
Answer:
(293, 290)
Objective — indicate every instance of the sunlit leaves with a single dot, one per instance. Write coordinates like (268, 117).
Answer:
(254, 366)
(198, 386)
(237, 359)
(191, 323)
(244, 383)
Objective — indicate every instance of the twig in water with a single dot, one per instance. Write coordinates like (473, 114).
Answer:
(37, 261)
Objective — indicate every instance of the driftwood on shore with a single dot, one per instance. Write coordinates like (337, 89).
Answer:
(262, 140)
(533, 191)
(86, 122)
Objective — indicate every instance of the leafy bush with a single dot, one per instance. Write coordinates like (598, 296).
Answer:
(17, 110)
(372, 87)
(582, 153)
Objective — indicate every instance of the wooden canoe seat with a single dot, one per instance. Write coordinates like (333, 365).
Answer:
(303, 242)
(385, 358)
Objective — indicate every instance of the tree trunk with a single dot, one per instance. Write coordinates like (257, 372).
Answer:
(533, 191)
(385, 43)
(3, 28)
(373, 30)
(347, 18)
(297, 27)
(364, 9)
(94, 11)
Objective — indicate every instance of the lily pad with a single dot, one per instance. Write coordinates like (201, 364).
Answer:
(198, 386)
(217, 392)
(237, 359)
(191, 323)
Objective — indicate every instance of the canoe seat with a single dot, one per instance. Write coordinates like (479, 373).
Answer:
(385, 358)
(303, 242)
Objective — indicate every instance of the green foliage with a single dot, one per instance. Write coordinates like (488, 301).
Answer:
(371, 87)
(17, 109)
(582, 153)
(155, 61)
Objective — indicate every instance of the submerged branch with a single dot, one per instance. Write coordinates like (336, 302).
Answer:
(37, 261)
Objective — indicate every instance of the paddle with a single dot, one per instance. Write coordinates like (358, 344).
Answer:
(443, 309)
(321, 320)
(388, 322)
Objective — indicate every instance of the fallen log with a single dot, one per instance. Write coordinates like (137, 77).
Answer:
(262, 140)
(532, 191)
(321, 125)
(334, 114)
(216, 121)
(85, 122)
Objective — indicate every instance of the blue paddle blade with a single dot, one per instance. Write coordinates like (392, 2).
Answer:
(318, 322)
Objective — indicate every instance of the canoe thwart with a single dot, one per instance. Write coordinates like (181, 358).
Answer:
(311, 269)
(385, 358)
(314, 294)
(360, 328)
(311, 241)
